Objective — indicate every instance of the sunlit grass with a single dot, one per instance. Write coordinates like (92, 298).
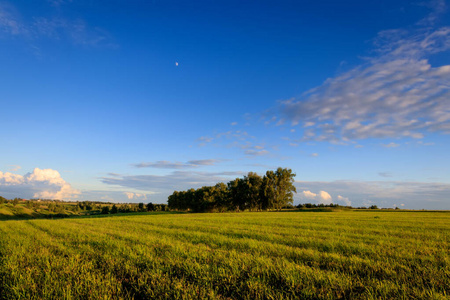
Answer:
(277, 255)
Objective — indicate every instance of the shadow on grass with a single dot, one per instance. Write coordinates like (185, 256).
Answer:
(35, 216)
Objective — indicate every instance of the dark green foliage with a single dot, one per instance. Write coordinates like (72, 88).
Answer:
(150, 207)
(105, 210)
(114, 209)
(253, 192)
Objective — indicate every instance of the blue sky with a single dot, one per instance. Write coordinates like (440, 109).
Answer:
(127, 101)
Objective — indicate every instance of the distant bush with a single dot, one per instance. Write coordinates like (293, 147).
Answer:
(105, 210)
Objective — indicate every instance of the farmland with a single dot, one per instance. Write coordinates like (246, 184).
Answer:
(265, 255)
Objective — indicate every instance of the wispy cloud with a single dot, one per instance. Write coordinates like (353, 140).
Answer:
(393, 95)
(77, 31)
(256, 152)
(58, 3)
(14, 168)
(385, 174)
(391, 145)
(10, 22)
(438, 7)
(163, 164)
(163, 186)
(240, 139)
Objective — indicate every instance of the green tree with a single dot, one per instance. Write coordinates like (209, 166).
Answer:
(235, 190)
(141, 207)
(251, 191)
(278, 188)
(221, 197)
(150, 207)
(114, 209)
(105, 210)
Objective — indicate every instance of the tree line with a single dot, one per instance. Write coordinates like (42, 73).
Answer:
(252, 192)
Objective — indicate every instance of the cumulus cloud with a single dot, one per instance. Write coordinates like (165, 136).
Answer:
(344, 200)
(164, 164)
(416, 195)
(323, 197)
(396, 94)
(41, 183)
(309, 194)
(135, 196)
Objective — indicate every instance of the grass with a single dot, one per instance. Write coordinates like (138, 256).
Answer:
(276, 255)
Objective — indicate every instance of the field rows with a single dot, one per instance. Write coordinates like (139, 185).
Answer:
(307, 255)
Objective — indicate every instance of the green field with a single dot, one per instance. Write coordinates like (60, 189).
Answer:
(266, 255)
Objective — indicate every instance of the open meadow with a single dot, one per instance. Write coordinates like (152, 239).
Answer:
(265, 255)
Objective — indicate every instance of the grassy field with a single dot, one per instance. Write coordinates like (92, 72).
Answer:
(273, 255)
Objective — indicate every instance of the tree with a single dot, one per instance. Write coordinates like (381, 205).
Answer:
(114, 209)
(141, 206)
(150, 207)
(221, 196)
(105, 210)
(235, 194)
(278, 188)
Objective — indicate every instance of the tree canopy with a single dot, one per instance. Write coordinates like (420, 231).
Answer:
(252, 192)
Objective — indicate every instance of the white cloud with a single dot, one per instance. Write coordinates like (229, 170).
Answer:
(309, 194)
(315, 154)
(345, 200)
(135, 196)
(41, 183)
(396, 94)
(8, 179)
(323, 197)
(416, 195)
